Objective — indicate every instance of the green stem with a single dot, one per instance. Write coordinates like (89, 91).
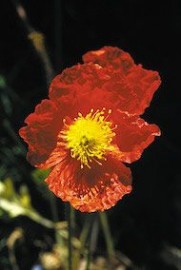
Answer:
(94, 234)
(53, 207)
(92, 241)
(85, 233)
(107, 234)
(12, 259)
(54, 211)
(88, 237)
(88, 256)
(85, 240)
(70, 219)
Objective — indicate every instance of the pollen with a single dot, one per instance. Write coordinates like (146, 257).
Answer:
(89, 138)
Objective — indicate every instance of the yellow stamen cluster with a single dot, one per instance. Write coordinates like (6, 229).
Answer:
(89, 137)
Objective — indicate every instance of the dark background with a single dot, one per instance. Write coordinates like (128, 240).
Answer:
(146, 224)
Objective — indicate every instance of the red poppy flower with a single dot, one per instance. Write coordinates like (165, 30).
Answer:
(90, 126)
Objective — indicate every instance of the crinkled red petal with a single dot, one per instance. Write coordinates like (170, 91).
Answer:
(134, 92)
(133, 135)
(132, 86)
(42, 129)
(90, 83)
(112, 72)
(110, 57)
(78, 80)
(89, 190)
(82, 85)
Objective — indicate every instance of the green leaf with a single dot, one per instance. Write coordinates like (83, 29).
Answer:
(9, 191)
(40, 175)
(24, 197)
(2, 82)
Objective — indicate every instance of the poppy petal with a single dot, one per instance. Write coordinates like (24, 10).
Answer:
(133, 135)
(41, 131)
(78, 80)
(131, 85)
(89, 190)
(110, 57)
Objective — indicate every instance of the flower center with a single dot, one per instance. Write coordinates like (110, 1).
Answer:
(89, 137)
